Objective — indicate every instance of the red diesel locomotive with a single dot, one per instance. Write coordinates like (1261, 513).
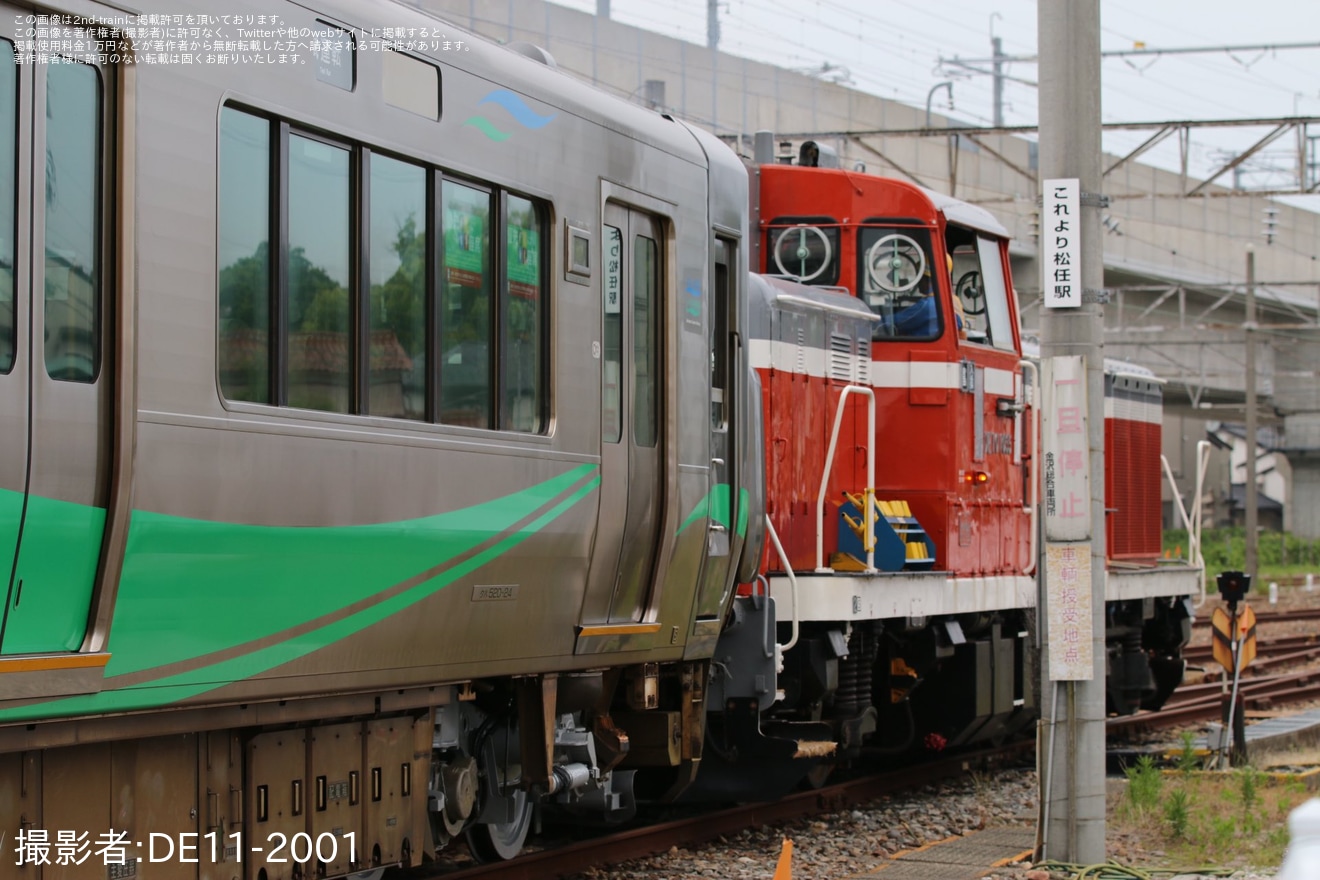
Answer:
(898, 584)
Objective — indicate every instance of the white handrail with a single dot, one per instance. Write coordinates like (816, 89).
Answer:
(1034, 428)
(1192, 521)
(868, 540)
(792, 582)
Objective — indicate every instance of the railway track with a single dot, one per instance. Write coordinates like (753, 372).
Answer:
(1271, 616)
(639, 842)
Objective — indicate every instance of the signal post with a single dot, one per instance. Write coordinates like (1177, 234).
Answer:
(1071, 747)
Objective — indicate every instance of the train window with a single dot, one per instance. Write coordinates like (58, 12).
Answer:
(8, 203)
(72, 184)
(335, 56)
(611, 427)
(720, 391)
(996, 293)
(805, 248)
(977, 276)
(522, 319)
(318, 370)
(897, 281)
(396, 261)
(465, 307)
(646, 340)
(244, 256)
(411, 84)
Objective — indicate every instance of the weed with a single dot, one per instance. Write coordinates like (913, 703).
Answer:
(1177, 814)
(1144, 783)
(1187, 760)
(1249, 779)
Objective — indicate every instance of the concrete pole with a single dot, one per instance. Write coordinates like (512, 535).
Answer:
(1069, 41)
(712, 24)
(997, 45)
(1249, 331)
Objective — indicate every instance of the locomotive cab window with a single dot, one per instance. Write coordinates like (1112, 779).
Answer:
(897, 281)
(804, 248)
(979, 288)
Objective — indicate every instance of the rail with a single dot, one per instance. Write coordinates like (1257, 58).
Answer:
(868, 540)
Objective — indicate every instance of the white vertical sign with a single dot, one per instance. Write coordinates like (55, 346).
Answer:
(1061, 244)
(1066, 471)
(1068, 604)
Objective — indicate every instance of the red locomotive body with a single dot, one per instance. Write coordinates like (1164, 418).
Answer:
(943, 364)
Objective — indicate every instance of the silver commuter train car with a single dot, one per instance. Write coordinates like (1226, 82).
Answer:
(365, 461)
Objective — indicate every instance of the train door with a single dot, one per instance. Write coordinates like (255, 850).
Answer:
(54, 359)
(632, 426)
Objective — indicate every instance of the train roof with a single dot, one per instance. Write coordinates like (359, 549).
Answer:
(536, 79)
(964, 214)
(1113, 366)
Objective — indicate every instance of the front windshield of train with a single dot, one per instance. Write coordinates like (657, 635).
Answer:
(896, 279)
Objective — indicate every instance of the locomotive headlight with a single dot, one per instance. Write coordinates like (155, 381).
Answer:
(976, 478)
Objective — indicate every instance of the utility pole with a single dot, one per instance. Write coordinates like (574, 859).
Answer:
(997, 58)
(712, 24)
(1073, 767)
(1249, 331)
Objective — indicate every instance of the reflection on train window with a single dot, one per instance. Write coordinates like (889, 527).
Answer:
(979, 287)
(72, 181)
(397, 272)
(521, 343)
(611, 420)
(465, 308)
(646, 340)
(316, 271)
(897, 281)
(8, 203)
(433, 307)
(244, 256)
(804, 248)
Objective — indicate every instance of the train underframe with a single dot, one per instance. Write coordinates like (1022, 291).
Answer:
(322, 788)
(898, 687)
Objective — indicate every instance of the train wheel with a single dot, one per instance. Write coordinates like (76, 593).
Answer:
(491, 842)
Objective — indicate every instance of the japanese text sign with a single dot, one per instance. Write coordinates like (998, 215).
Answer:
(1066, 465)
(1061, 244)
(1068, 604)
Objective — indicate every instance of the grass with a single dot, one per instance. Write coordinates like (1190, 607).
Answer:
(1193, 818)
(1278, 554)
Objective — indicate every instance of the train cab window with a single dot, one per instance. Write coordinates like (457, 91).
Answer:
(897, 281)
(72, 192)
(396, 259)
(8, 203)
(244, 256)
(523, 318)
(317, 341)
(977, 275)
(465, 308)
(804, 248)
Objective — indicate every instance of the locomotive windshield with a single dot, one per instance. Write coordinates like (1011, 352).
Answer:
(979, 284)
(897, 281)
(804, 248)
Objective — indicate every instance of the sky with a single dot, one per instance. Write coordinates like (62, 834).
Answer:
(893, 48)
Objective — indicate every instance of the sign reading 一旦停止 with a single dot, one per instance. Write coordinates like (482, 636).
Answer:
(1066, 472)
(1061, 244)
